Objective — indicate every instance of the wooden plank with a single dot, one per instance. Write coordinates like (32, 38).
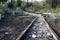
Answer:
(26, 29)
(51, 30)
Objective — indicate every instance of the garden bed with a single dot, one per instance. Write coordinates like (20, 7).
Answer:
(12, 27)
(54, 24)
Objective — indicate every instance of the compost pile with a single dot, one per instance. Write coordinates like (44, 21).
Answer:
(54, 24)
(11, 28)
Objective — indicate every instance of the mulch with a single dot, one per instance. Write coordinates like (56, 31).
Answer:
(11, 28)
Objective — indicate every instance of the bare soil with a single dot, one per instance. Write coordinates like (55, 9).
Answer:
(11, 28)
(54, 24)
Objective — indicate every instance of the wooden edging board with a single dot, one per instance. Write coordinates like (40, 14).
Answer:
(51, 31)
(26, 29)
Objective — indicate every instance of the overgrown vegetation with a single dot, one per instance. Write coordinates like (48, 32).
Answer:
(46, 6)
(55, 5)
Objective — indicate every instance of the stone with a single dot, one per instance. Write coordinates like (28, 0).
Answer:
(6, 33)
(48, 34)
(33, 36)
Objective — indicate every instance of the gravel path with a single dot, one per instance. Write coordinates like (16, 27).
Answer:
(39, 31)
